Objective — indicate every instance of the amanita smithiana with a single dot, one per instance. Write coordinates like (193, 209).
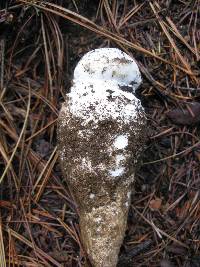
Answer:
(101, 134)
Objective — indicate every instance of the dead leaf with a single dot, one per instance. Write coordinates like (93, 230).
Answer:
(166, 263)
(189, 115)
(6, 204)
(62, 256)
(155, 204)
(176, 249)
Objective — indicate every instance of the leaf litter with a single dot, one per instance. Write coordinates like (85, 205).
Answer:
(40, 43)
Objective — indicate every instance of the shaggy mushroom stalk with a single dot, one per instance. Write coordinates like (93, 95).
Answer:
(101, 134)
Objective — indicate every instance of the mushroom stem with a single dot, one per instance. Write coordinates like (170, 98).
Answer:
(103, 228)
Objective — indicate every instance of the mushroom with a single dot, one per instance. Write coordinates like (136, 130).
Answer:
(101, 134)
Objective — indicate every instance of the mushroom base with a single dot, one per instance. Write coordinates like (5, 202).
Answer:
(103, 229)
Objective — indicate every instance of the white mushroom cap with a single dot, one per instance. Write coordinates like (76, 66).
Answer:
(104, 83)
(109, 64)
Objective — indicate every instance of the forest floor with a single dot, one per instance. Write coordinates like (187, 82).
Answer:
(40, 44)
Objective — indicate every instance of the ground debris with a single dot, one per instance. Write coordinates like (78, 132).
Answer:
(188, 115)
(38, 52)
(166, 263)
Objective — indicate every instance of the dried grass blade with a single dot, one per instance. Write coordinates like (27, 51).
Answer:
(178, 35)
(184, 62)
(44, 169)
(8, 165)
(129, 15)
(2, 49)
(41, 130)
(69, 231)
(54, 156)
(39, 252)
(58, 41)
(2, 250)
(110, 15)
(46, 54)
(78, 19)
(6, 159)
(159, 231)
(28, 229)
(174, 155)
(40, 96)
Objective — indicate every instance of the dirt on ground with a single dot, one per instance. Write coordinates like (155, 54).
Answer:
(40, 44)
